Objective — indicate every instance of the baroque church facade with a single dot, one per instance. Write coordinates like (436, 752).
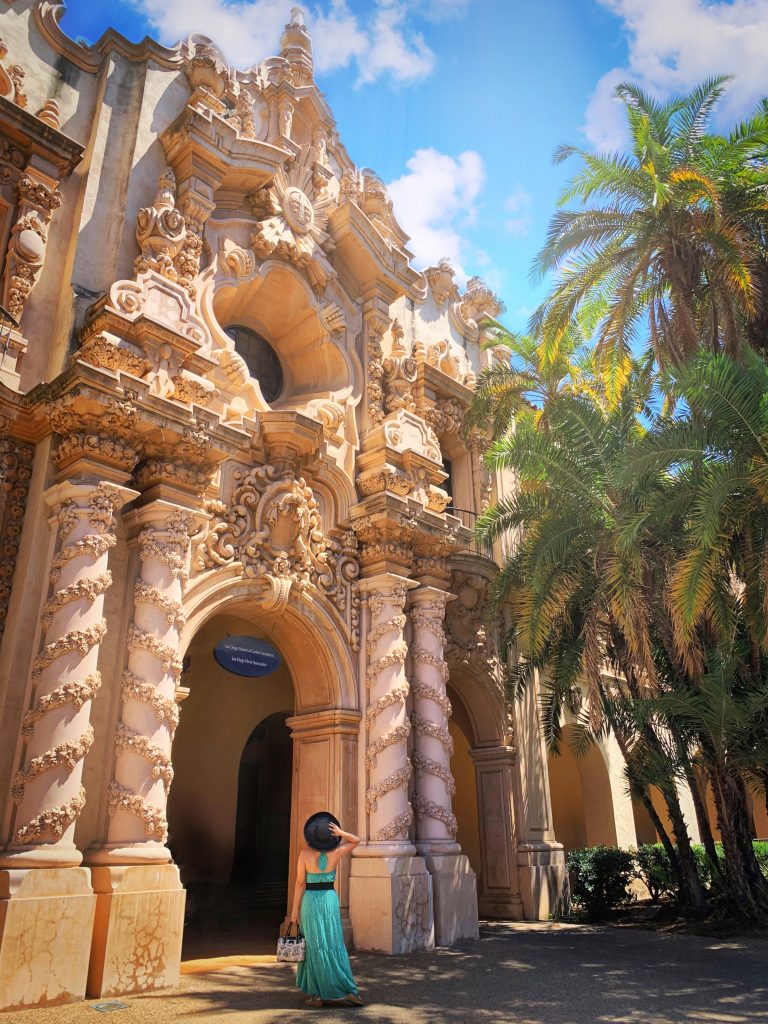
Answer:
(230, 407)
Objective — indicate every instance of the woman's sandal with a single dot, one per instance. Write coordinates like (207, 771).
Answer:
(313, 1001)
(355, 999)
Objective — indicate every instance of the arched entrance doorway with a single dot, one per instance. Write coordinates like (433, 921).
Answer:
(229, 808)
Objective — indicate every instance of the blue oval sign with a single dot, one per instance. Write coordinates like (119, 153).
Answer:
(247, 656)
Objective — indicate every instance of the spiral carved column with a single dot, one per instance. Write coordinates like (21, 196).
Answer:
(454, 886)
(143, 773)
(386, 754)
(389, 888)
(56, 730)
(140, 900)
(433, 745)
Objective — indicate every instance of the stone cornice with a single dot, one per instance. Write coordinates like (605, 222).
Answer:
(28, 131)
(48, 14)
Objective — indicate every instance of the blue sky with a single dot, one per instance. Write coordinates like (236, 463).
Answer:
(459, 104)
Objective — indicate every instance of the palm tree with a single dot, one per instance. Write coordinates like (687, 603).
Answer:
(526, 382)
(703, 478)
(573, 602)
(670, 247)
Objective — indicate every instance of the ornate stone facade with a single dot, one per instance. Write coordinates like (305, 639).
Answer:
(245, 416)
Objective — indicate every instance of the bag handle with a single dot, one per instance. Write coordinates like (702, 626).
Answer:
(287, 933)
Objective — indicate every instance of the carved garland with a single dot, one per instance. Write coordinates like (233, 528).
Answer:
(51, 825)
(76, 692)
(63, 755)
(424, 764)
(394, 781)
(121, 799)
(129, 739)
(425, 806)
(426, 728)
(165, 710)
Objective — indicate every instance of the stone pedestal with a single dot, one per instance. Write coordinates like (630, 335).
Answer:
(390, 902)
(138, 929)
(454, 897)
(46, 920)
(541, 871)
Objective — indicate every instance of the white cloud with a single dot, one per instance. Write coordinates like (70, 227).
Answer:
(382, 43)
(434, 200)
(675, 44)
(518, 203)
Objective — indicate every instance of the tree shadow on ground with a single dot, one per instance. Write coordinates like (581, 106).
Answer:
(555, 975)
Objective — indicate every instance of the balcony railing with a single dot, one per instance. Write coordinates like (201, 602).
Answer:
(467, 541)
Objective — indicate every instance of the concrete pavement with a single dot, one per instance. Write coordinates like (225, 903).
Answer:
(522, 973)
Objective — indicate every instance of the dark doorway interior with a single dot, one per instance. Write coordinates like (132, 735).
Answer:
(244, 916)
(263, 826)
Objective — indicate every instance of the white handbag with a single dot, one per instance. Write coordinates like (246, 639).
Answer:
(291, 948)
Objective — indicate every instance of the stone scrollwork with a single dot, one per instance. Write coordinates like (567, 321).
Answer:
(160, 230)
(399, 374)
(274, 530)
(37, 199)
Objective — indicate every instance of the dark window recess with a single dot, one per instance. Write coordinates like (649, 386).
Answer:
(261, 360)
(447, 485)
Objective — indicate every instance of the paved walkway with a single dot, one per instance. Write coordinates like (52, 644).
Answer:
(526, 974)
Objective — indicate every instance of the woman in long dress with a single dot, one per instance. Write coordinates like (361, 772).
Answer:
(325, 975)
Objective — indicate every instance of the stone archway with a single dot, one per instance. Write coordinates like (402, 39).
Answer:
(583, 810)
(316, 695)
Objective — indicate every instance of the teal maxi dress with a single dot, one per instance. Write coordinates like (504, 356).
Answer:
(325, 971)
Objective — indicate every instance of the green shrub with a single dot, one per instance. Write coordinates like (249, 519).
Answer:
(653, 868)
(761, 852)
(600, 878)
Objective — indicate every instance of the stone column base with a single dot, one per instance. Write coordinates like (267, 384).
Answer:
(541, 871)
(46, 920)
(390, 904)
(454, 894)
(138, 929)
(507, 908)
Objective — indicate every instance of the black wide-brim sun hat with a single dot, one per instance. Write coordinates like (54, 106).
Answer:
(317, 833)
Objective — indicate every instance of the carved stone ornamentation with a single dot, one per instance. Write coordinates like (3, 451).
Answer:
(399, 373)
(150, 680)
(387, 722)
(38, 197)
(160, 230)
(441, 282)
(294, 224)
(479, 302)
(473, 636)
(46, 786)
(274, 530)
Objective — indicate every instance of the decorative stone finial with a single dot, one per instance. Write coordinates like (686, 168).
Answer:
(296, 48)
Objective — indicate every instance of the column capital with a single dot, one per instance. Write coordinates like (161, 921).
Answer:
(385, 579)
(501, 754)
(82, 492)
(426, 594)
(318, 723)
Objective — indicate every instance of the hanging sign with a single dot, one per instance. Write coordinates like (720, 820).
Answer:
(247, 656)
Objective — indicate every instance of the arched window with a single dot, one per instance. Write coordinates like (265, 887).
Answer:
(261, 359)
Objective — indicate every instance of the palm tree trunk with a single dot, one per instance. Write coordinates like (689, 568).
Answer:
(748, 894)
(702, 819)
